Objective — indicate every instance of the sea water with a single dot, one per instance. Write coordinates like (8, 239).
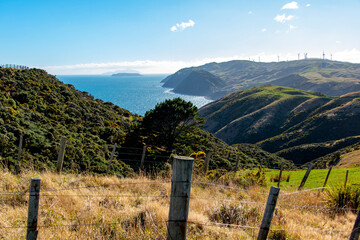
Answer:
(136, 94)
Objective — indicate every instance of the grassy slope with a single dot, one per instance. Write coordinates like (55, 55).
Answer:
(134, 217)
(316, 178)
(336, 79)
(297, 125)
(351, 159)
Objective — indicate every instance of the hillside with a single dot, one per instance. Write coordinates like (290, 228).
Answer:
(331, 78)
(295, 124)
(196, 82)
(43, 109)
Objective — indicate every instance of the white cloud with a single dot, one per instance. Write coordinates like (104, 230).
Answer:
(250, 12)
(308, 5)
(142, 66)
(165, 67)
(283, 18)
(183, 25)
(263, 30)
(291, 27)
(291, 5)
(352, 55)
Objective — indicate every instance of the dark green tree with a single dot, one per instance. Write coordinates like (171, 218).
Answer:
(163, 124)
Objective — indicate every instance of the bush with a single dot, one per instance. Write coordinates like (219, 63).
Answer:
(343, 197)
(280, 235)
(235, 214)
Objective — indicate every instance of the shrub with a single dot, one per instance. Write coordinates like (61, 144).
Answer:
(235, 214)
(343, 197)
(281, 235)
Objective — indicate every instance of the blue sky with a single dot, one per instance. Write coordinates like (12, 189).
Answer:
(162, 36)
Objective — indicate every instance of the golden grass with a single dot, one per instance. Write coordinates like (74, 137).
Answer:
(122, 210)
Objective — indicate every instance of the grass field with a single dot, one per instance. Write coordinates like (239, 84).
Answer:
(122, 208)
(316, 178)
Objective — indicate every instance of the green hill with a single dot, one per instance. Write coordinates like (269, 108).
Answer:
(43, 109)
(333, 78)
(295, 124)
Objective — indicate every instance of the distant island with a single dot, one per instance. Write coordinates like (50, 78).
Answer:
(126, 75)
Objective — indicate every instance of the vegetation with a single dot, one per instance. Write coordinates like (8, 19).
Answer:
(42, 109)
(337, 79)
(343, 197)
(316, 178)
(163, 124)
(297, 125)
(124, 211)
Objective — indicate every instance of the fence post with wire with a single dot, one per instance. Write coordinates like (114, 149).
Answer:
(355, 233)
(268, 214)
(61, 154)
(305, 177)
(111, 158)
(180, 197)
(33, 210)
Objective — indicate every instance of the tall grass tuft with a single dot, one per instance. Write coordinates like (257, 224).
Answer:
(235, 214)
(343, 197)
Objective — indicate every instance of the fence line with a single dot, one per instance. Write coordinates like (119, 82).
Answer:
(179, 202)
(13, 66)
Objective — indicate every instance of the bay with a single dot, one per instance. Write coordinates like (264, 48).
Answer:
(136, 94)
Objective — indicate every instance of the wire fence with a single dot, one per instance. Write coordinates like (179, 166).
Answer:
(14, 66)
(46, 193)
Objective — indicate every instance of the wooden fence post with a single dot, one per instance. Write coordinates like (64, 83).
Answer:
(305, 177)
(281, 169)
(207, 162)
(111, 158)
(180, 197)
(268, 214)
(18, 165)
(326, 179)
(34, 195)
(355, 233)
(61, 154)
(143, 158)
(346, 178)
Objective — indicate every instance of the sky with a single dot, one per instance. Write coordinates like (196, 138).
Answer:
(162, 36)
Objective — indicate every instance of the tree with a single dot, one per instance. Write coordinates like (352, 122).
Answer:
(163, 124)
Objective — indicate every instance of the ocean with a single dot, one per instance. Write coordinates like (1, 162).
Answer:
(136, 94)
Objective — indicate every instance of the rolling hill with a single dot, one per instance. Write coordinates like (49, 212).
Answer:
(297, 125)
(332, 78)
(43, 109)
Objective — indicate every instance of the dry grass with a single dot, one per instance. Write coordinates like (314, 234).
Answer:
(131, 215)
(348, 160)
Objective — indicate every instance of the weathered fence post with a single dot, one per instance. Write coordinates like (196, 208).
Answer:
(180, 197)
(305, 177)
(33, 210)
(326, 179)
(355, 233)
(207, 162)
(269, 212)
(61, 154)
(281, 169)
(346, 178)
(111, 158)
(143, 158)
(18, 165)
